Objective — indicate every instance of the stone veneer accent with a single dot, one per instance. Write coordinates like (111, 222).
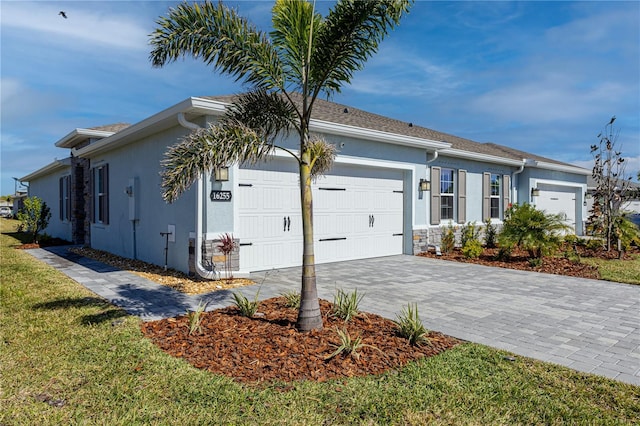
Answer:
(80, 199)
(211, 255)
(423, 238)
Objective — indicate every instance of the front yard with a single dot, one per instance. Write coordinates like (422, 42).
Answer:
(68, 357)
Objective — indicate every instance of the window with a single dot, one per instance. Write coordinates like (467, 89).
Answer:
(495, 196)
(447, 192)
(65, 198)
(100, 194)
(449, 199)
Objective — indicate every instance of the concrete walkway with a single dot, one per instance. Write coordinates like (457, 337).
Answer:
(588, 325)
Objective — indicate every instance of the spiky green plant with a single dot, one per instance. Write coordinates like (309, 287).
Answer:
(195, 318)
(346, 305)
(292, 299)
(247, 308)
(304, 56)
(410, 325)
(348, 345)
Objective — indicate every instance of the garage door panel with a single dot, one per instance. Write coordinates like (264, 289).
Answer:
(555, 199)
(357, 211)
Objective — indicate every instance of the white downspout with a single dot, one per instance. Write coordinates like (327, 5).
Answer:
(513, 181)
(200, 270)
(435, 157)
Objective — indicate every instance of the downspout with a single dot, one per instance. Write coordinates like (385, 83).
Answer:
(513, 180)
(200, 270)
(435, 157)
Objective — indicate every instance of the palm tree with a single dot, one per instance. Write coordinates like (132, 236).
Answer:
(304, 56)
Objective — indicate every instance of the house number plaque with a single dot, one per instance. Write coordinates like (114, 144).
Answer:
(220, 195)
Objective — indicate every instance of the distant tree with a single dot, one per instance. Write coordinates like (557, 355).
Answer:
(34, 216)
(612, 190)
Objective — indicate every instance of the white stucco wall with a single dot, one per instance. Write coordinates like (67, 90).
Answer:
(47, 188)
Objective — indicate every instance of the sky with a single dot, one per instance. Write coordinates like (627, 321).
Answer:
(542, 77)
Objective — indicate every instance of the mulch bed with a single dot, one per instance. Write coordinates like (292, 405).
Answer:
(558, 264)
(268, 347)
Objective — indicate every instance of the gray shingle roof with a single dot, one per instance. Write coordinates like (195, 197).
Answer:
(344, 114)
(116, 127)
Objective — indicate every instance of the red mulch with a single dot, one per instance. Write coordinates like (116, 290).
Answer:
(268, 347)
(558, 265)
(50, 242)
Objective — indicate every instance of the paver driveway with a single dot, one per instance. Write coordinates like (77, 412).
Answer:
(588, 325)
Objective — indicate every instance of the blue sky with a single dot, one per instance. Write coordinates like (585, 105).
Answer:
(543, 77)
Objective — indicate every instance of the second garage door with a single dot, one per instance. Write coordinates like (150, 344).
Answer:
(358, 213)
(554, 199)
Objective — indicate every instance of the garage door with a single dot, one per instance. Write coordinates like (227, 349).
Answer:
(556, 199)
(358, 213)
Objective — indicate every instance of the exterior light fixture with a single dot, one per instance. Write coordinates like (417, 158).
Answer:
(221, 174)
(425, 185)
(535, 192)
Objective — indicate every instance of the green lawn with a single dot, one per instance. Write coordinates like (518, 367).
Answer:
(624, 271)
(68, 357)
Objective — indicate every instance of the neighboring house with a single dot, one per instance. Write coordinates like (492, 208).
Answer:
(393, 188)
(632, 205)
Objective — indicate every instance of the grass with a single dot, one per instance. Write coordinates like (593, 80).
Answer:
(68, 357)
(624, 271)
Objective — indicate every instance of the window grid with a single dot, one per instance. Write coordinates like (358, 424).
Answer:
(447, 193)
(495, 196)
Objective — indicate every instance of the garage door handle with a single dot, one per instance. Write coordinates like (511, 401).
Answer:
(287, 223)
(333, 239)
(372, 220)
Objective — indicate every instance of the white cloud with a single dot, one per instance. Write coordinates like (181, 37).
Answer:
(83, 28)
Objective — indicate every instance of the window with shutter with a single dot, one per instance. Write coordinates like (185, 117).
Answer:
(447, 194)
(100, 192)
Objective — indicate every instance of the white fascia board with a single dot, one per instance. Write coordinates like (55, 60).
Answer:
(374, 135)
(49, 168)
(198, 106)
(78, 134)
(458, 153)
(559, 167)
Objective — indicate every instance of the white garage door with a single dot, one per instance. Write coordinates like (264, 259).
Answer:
(358, 213)
(555, 199)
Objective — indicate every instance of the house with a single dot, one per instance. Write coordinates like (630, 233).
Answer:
(393, 187)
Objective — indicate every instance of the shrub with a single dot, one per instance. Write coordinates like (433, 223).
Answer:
(533, 230)
(226, 247)
(595, 244)
(410, 326)
(248, 308)
(292, 299)
(472, 249)
(490, 234)
(448, 240)
(195, 318)
(348, 345)
(34, 216)
(469, 232)
(345, 305)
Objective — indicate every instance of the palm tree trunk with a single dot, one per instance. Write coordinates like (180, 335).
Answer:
(309, 316)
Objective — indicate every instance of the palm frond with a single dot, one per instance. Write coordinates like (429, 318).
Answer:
(292, 22)
(269, 112)
(222, 38)
(322, 156)
(350, 34)
(206, 149)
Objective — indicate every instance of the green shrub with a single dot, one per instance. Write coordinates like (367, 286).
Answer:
(348, 345)
(410, 326)
(595, 244)
(345, 305)
(34, 216)
(533, 230)
(292, 299)
(195, 318)
(490, 234)
(448, 240)
(472, 249)
(248, 308)
(469, 232)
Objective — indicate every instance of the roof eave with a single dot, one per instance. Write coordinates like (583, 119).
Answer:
(78, 135)
(486, 158)
(374, 135)
(48, 169)
(559, 167)
(193, 105)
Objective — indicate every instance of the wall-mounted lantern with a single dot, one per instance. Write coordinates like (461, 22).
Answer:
(425, 185)
(535, 192)
(221, 174)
